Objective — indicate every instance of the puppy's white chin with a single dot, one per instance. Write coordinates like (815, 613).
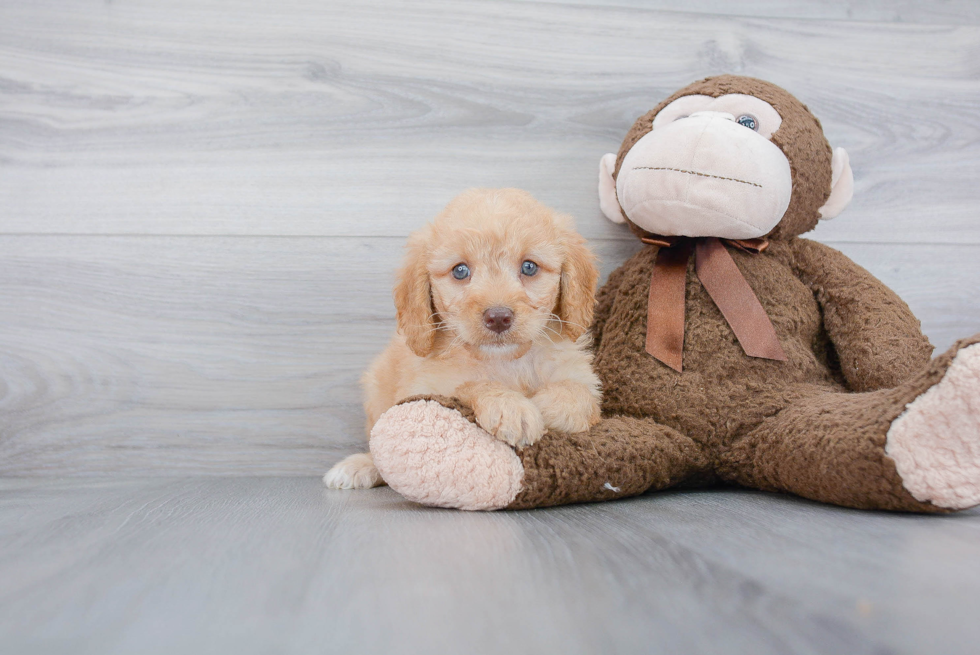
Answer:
(499, 348)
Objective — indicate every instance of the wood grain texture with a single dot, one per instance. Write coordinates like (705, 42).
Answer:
(201, 207)
(954, 12)
(201, 204)
(221, 355)
(242, 355)
(313, 118)
(258, 565)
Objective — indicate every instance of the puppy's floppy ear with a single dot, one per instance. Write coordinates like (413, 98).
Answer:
(576, 297)
(413, 300)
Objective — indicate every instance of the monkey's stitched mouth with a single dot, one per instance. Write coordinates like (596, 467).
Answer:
(681, 170)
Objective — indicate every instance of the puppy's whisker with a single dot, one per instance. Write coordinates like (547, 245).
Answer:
(562, 321)
(437, 328)
(431, 324)
(550, 329)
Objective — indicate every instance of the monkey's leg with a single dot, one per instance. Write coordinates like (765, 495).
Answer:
(915, 447)
(431, 451)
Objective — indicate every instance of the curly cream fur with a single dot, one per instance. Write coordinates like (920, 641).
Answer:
(535, 376)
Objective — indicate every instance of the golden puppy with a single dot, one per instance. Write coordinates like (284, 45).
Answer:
(493, 301)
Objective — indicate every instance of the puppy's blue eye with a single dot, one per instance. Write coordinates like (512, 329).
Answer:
(529, 268)
(747, 120)
(461, 271)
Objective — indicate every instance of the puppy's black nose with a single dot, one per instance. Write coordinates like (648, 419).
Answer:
(498, 319)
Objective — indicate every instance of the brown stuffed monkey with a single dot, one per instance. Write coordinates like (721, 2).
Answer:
(730, 350)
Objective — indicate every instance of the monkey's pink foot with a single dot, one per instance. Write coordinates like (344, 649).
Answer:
(432, 455)
(935, 443)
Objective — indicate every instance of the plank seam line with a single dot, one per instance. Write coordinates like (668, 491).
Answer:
(402, 237)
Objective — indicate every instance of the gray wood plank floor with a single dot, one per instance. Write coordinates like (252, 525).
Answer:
(280, 565)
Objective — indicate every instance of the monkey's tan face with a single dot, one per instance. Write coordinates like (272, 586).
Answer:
(708, 168)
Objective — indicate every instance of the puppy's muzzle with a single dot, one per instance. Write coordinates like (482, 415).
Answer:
(498, 319)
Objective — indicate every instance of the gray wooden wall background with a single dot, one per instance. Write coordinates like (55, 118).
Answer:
(202, 203)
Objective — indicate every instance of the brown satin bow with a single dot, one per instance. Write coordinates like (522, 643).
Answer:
(724, 283)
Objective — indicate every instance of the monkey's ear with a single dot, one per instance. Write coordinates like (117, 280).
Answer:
(608, 202)
(841, 185)
(413, 301)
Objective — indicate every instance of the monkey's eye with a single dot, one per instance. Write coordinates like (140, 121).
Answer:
(748, 120)
(461, 271)
(680, 117)
(529, 268)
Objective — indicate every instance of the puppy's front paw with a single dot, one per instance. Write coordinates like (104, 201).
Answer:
(354, 472)
(567, 407)
(510, 417)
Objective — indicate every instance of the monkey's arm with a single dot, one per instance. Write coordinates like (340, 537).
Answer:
(878, 339)
(604, 302)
